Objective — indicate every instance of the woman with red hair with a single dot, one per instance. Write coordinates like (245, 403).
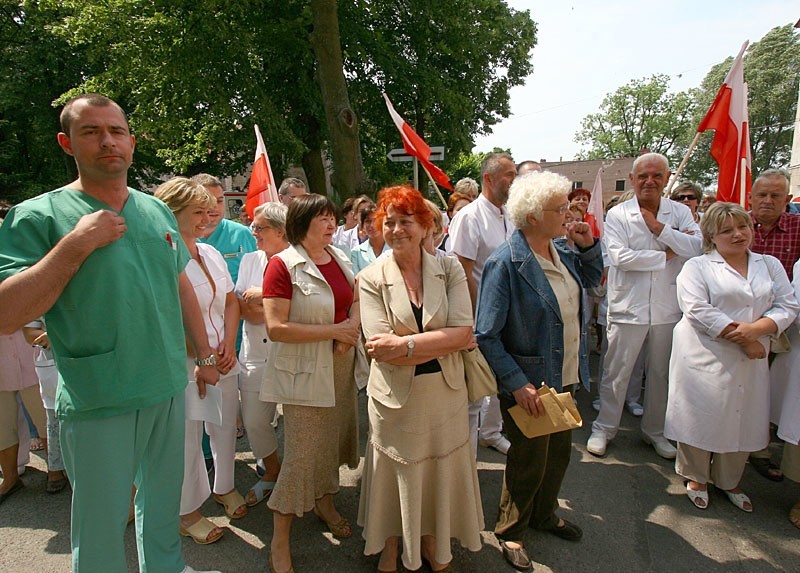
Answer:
(420, 481)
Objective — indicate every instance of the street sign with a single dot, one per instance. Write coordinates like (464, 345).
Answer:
(399, 154)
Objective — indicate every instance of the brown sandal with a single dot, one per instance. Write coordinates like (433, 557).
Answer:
(201, 531)
(233, 502)
(341, 528)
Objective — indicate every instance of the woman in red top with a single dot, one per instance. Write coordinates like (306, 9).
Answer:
(313, 322)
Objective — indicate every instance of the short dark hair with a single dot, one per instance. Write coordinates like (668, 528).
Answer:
(207, 180)
(302, 210)
(369, 210)
(67, 116)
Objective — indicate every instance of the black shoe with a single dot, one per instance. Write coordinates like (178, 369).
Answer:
(766, 468)
(568, 531)
(517, 558)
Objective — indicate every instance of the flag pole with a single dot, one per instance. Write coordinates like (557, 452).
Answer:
(683, 163)
(742, 181)
(435, 186)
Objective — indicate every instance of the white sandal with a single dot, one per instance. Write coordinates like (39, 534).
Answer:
(739, 499)
(698, 498)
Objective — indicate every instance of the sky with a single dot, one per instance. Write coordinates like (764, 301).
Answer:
(586, 50)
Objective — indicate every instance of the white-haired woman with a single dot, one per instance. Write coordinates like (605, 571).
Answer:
(529, 328)
(732, 300)
(213, 286)
(269, 229)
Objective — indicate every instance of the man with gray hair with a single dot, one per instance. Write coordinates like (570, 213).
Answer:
(476, 232)
(647, 238)
(291, 188)
(775, 232)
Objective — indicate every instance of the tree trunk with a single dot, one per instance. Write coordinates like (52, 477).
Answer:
(315, 171)
(348, 168)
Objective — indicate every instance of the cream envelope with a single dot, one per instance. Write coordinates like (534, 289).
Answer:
(560, 413)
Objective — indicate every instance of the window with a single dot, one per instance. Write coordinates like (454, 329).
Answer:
(620, 185)
(576, 184)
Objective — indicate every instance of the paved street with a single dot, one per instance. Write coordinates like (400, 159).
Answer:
(630, 504)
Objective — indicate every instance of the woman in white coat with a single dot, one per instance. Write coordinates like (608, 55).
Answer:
(732, 300)
(786, 412)
(213, 287)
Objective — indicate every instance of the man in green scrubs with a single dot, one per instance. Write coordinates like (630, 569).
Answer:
(103, 263)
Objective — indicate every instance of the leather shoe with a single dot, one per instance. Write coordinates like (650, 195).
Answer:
(662, 447)
(597, 444)
(568, 531)
(517, 558)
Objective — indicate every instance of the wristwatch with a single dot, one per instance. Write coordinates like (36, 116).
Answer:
(410, 343)
(210, 360)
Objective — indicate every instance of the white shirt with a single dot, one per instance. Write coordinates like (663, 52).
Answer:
(641, 281)
(784, 381)
(719, 398)
(211, 297)
(477, 230)
(255, 343)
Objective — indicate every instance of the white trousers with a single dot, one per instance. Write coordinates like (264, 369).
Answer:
(634, 394)
(196, 489)
(491, 423)
(257, 415)
(625, 342)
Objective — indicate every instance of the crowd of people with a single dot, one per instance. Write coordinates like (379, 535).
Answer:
(143, 332)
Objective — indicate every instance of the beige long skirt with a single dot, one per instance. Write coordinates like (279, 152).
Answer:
(419, 473)
(316, 442)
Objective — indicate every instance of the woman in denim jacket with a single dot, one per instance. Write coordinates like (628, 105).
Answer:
(529, 328)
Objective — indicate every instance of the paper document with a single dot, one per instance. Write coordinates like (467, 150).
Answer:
(560, 413)
(209, 409)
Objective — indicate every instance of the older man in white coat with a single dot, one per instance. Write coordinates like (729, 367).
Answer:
(648, 238)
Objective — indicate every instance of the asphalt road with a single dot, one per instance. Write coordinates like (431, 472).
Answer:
(631, 505)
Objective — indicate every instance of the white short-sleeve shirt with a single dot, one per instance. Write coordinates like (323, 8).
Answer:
(477, 230)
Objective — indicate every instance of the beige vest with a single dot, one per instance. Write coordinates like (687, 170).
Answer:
(302, 373)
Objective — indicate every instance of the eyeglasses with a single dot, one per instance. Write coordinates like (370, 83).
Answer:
(686, 197)
(560, 210)
(259, 228)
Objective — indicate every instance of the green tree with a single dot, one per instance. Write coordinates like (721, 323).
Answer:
(37, 68)
(447, 67)
(642, 114)
(772, 71)
(196, 75)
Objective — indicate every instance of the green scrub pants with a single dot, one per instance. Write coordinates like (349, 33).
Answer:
(103, 458)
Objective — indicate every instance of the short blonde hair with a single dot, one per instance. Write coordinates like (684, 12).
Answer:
(715, 217)
(530, 193)
(180, 192)
(438, 221)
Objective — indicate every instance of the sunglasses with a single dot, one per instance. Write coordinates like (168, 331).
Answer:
(686, 197)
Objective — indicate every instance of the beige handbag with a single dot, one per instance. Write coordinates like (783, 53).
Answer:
(479, 376)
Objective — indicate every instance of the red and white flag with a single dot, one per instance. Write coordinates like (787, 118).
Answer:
(414, 145)
(262, 184)
(595, 208)
(731, 147)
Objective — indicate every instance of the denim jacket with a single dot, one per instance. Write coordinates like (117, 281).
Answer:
(518, 324)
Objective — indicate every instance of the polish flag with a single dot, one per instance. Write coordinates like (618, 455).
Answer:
(595, 209)
(262, 183)
(414, 145)
(731, 147)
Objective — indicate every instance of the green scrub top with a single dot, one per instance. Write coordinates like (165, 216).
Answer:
(233, 240)
(116, 330)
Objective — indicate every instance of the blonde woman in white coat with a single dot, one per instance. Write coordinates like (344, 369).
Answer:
(733, 301)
